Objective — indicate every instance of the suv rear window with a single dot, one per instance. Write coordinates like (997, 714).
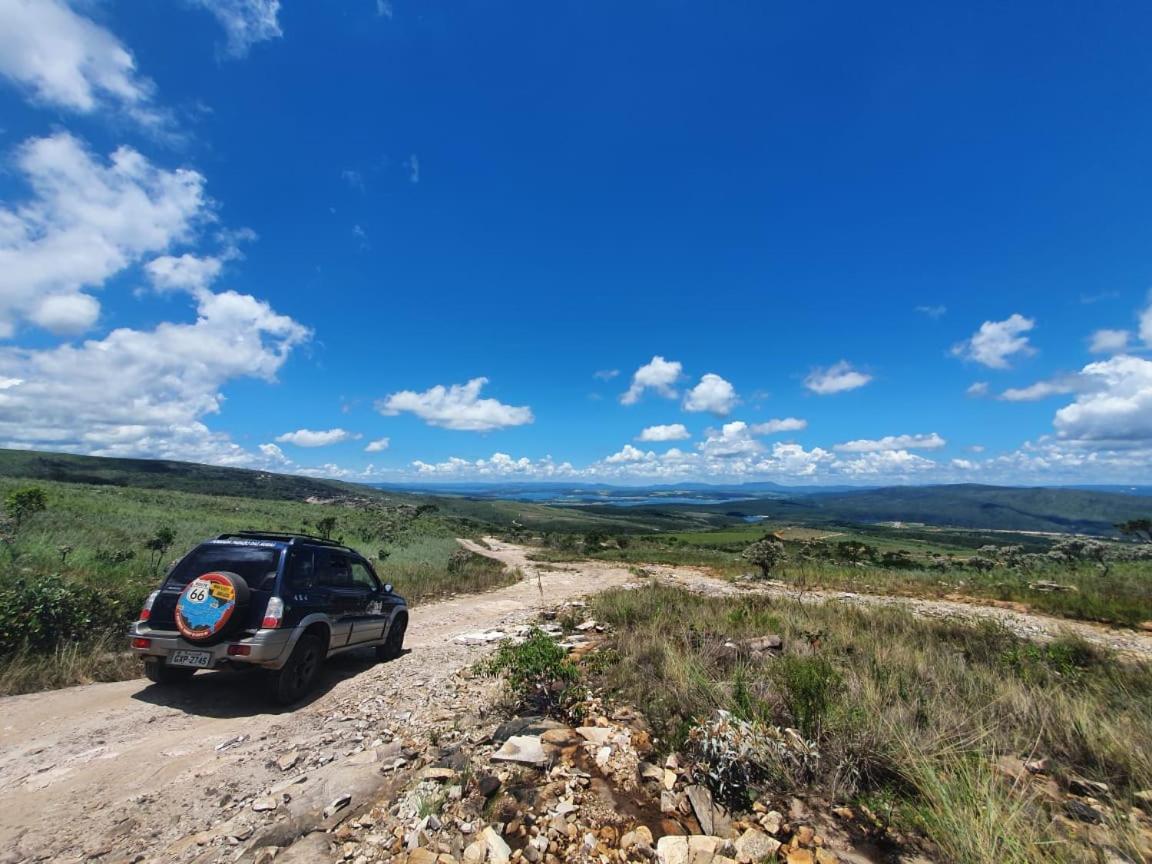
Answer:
(256, 564)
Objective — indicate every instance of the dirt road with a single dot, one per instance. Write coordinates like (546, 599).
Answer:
(129, 772)
(1029, 625)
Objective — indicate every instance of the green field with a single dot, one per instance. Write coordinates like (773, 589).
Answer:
(924, 562)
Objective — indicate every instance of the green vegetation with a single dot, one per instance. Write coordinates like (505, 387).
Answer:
(906, 717)
(968, 506)
(537, 673)
(75, 573)
(1073, 578)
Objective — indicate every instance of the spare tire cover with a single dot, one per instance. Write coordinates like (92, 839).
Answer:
(211, 605)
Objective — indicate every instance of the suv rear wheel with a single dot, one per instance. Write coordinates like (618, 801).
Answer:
(393, 646)
(296, 677)
(157, 670)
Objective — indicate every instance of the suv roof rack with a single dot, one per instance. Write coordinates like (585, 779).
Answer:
(290, 536)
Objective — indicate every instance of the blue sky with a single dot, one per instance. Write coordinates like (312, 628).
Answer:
(624, 242)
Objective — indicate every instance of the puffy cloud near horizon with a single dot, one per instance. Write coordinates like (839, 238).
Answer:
(713, 395)
(245, 22)
(657, 374)
(775, 426)
(667, 432)
(457, 407)
(146, 392)
(732, 439)
(890, 463)
(837, 378)
(86, 222)
(316, 437)
(996, 341)
(892, 442)
(498, 465)
(629, 454)
(62, 59)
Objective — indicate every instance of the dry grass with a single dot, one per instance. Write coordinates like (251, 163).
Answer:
(904, 710)
(70, 664)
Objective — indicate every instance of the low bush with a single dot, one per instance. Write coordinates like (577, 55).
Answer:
(538, 675)
(40, 613)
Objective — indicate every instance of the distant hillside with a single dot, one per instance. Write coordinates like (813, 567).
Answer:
(178, 476)
(245, 483)
(962, 506)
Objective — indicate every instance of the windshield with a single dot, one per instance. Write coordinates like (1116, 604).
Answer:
(256, 564)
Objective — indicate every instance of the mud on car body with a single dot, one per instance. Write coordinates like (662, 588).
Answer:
(281, 602)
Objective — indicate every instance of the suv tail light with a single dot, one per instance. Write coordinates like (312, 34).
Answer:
(146, 610)
(274, 614)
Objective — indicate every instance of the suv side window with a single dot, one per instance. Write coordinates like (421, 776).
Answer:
(301, 571)
(362, 577)
(333, 569)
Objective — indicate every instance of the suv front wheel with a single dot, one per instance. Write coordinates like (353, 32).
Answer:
(157, 670)
(393, 645)
(296, 677)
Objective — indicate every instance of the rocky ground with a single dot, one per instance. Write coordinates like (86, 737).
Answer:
(410, 761)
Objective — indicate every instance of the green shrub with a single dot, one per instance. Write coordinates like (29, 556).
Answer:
(537, 673)
(40, 613)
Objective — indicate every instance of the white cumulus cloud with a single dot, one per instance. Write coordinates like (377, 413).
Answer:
(315, 437)
(732, 439)
(1114, 402)
(658, 374)
(892, 442)
(85, 222)
(776, 426)
(63, 59)
(378, 446)
(837, 378)
(1109, 341)
(184, 273)
(630, 454)
(713, 395)
(668, 432)
(146, 392)
(456, 407)
(996, 341)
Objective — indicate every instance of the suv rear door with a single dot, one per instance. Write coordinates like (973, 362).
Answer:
(348, 602)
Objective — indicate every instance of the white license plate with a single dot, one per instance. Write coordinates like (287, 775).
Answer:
(197, 659)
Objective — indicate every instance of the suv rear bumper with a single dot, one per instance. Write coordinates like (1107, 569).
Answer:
(268, 648)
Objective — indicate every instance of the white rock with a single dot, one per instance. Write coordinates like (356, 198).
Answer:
(672, 850)
(498, 851)
(595, 734)
(755, 845)
(525, 749)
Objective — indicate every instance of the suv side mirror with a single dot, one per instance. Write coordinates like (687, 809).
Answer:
(387, 587)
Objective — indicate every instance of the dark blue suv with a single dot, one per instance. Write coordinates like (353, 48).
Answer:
(283, 602)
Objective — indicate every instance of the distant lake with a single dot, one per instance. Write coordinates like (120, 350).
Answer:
(576, 500)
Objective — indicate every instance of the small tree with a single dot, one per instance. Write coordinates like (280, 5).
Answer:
(326, 526)
(1139, 529)
(767, 554)
(158, 544)
(22, 503)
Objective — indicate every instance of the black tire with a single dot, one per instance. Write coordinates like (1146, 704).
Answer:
(157, 670)
(294, 679)
(393, 646)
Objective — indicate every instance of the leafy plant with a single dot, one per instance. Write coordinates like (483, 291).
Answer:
(24, 502)
(537, 672)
